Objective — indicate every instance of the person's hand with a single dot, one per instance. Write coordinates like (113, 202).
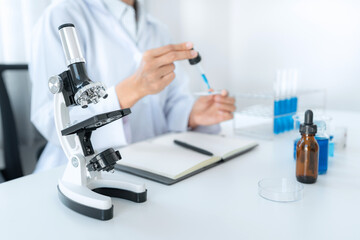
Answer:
(156, 71)
(212, 109)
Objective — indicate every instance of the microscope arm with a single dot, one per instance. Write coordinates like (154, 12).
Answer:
(70, 143)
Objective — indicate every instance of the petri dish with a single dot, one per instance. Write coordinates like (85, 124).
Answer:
(280, 189)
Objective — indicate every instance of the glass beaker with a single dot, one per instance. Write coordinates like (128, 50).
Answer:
(323, 140)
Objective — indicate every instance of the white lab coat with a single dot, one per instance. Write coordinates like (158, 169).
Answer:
(111, 56)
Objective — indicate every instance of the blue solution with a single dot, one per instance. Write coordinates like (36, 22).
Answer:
(287, 112)
(281, 123)
(323, 154)
(293, 104)
(293, 110)
(276, 124)
(285, 107)
(206, 81)
(291, 120)
(331, 146)
(295, 143)
(276, 113)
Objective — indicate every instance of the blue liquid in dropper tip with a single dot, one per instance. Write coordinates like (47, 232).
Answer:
(206, 81)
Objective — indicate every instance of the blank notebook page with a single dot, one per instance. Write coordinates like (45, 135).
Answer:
(218, 145)
(160, 155)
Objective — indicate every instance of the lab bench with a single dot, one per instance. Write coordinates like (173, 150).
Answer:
(220, 203)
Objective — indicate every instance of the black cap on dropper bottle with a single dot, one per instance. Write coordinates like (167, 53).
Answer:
(308, 127)
(195, 60)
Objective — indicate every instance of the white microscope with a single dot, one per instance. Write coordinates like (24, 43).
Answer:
(84, 187)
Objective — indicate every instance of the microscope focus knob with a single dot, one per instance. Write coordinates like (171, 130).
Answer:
(55, 84)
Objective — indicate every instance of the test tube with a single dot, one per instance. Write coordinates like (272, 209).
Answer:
(288, 117)
(277, 102)
(294, 99)
(282, 111)
(294, 90)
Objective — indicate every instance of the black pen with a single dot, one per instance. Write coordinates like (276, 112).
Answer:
(191, 147)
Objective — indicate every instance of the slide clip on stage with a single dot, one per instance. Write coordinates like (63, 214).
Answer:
(84, 187)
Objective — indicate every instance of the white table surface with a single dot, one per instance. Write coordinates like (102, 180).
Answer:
(220, 203)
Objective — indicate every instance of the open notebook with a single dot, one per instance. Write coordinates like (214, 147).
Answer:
(161, 160)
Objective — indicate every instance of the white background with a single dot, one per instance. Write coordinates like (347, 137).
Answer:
(242, 42)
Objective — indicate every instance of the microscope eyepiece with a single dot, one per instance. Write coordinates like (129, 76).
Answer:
(70, 44)
(66, 25)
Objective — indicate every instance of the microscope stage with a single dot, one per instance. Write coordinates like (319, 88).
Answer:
(96, 121)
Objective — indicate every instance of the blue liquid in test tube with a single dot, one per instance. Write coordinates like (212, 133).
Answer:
(288, 116)
(277, 103)
(276, 113)
(293, 111)
(281, 122)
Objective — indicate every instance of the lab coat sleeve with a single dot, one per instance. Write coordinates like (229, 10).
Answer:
(178, 103)
(47, 59)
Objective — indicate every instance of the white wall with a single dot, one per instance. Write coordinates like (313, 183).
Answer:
(17, 18)
(245, 41)
(205, 23)
(242, 42)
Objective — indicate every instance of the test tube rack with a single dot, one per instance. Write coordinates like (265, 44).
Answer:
(263, 115)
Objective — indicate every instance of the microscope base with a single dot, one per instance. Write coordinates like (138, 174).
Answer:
(96, 203)
(124, 194)
(101, 214)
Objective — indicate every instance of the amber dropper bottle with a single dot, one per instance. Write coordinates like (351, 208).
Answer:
(307, 151)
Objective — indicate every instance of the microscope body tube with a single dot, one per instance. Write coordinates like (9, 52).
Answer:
(84, 89)
(73, 55)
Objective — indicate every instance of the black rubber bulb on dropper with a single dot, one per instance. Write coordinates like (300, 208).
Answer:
(308, 127)
(308, 117)
(195, 60)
